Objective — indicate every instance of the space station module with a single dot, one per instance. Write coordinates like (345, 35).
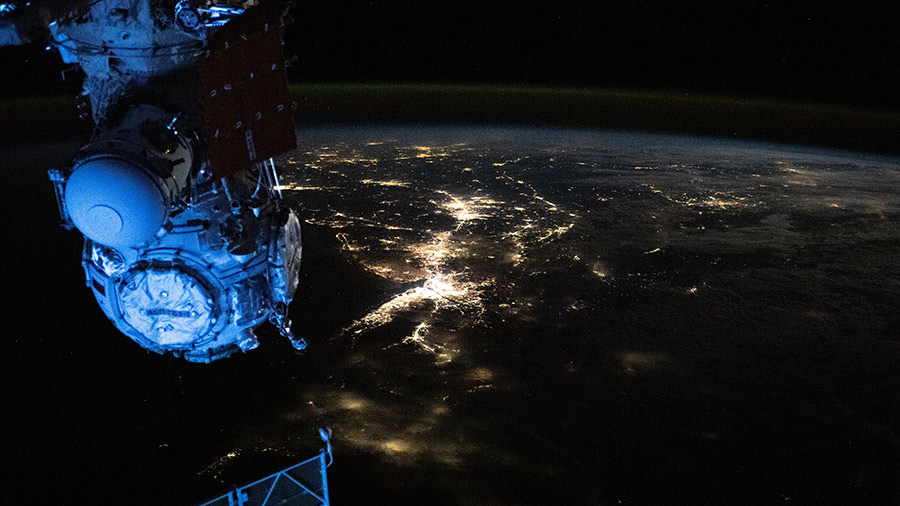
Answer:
(188, 246)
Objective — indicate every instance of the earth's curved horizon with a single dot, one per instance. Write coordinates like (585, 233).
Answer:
(505, 316)
(738, 117)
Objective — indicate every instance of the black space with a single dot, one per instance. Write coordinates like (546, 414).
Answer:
(845, 54)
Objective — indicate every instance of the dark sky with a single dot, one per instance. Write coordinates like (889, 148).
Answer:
(847, 53)
(843, 53)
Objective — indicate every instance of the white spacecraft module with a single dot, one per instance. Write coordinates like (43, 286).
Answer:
(187, 246)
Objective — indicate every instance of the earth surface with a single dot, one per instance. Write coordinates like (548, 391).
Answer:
(498, 316)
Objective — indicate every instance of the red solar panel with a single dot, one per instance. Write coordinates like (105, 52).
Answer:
(246, 103)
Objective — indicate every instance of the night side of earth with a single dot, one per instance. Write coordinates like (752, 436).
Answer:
(500, 315)
(266, 252)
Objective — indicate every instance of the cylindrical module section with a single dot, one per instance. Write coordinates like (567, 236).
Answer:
(187, 247)
(125, 183)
